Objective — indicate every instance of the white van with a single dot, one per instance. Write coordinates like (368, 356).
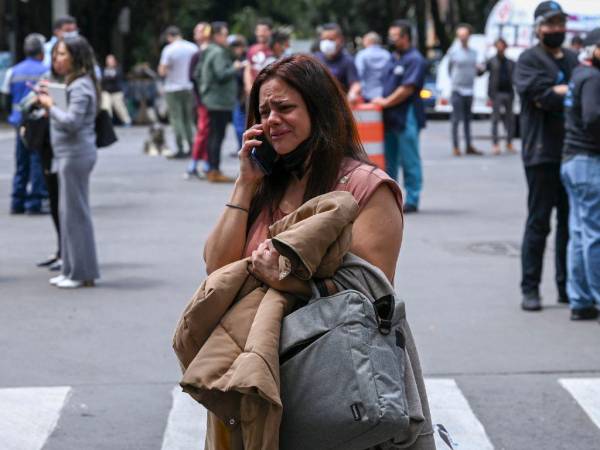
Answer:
(513, 21)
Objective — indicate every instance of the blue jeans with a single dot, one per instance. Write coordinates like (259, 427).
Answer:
(402, 149)
(239, 121)
(581, 177)
(28, 171)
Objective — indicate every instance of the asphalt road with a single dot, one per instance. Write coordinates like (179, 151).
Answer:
(94, 369)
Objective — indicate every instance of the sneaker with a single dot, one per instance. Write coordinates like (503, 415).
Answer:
(216, 176)
(495, 149)
(531, 302)
(589, 313)
(456, 151)
(67, 283)
(16, 211)
(473, 151)
(55, 280)
(153, 151)
(409, 208)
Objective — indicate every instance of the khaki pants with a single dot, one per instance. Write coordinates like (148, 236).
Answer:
(115, 101)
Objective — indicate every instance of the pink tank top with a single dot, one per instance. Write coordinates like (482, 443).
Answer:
(361, 180)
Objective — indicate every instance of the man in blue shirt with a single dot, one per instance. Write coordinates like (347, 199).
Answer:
(403, 111)
(28, 170)
(338, 60)
(370, 63)
(65, 26)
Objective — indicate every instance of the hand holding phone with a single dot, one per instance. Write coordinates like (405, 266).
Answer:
(264, 155)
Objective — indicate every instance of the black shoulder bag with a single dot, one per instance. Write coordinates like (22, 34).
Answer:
(105, 132)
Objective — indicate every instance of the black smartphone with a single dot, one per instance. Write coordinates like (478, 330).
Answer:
(264, 155)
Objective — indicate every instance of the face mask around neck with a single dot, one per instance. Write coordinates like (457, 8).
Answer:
(295, 161)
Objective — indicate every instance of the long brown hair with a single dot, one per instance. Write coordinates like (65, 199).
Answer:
(334, 135)
(83, 61)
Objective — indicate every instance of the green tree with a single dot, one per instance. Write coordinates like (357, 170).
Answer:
(98, 19)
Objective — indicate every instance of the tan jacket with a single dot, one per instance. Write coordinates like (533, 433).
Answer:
(227, 339)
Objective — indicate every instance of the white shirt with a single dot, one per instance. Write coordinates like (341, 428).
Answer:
(5, 88)
(176, 56)
(48, 51)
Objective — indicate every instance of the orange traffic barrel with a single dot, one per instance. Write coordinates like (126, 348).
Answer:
(369, 120)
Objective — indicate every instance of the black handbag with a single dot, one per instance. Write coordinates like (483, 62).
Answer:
(105, 132)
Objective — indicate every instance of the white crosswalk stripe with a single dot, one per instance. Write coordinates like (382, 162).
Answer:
(450, 408)
(186, 426)
(586, 391)
(29, 415)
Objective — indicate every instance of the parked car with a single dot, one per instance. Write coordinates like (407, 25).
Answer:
(429, 92)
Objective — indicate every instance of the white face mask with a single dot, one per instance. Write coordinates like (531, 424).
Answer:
(70, 34)
(288, 52)
(328, 47)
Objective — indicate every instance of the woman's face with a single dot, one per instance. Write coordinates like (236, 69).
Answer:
(61, 59)
(283, 113)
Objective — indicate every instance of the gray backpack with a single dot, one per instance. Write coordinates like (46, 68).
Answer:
(342, 363)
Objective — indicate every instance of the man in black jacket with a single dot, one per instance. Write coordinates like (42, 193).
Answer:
(501, 94)
(541, 78)
(581, 175)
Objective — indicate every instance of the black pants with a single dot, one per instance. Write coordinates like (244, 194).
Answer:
(546, 192)
(52, 186)
(216, 134)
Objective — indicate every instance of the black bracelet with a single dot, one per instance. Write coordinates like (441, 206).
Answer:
(230, 205)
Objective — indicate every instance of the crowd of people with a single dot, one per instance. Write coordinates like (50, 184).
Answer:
(214, 76)
(560, 119)
(209, 83)
(218, 72)
(298, 107)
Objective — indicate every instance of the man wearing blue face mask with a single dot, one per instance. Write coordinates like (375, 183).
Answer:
(541, 78)
(338, 60)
